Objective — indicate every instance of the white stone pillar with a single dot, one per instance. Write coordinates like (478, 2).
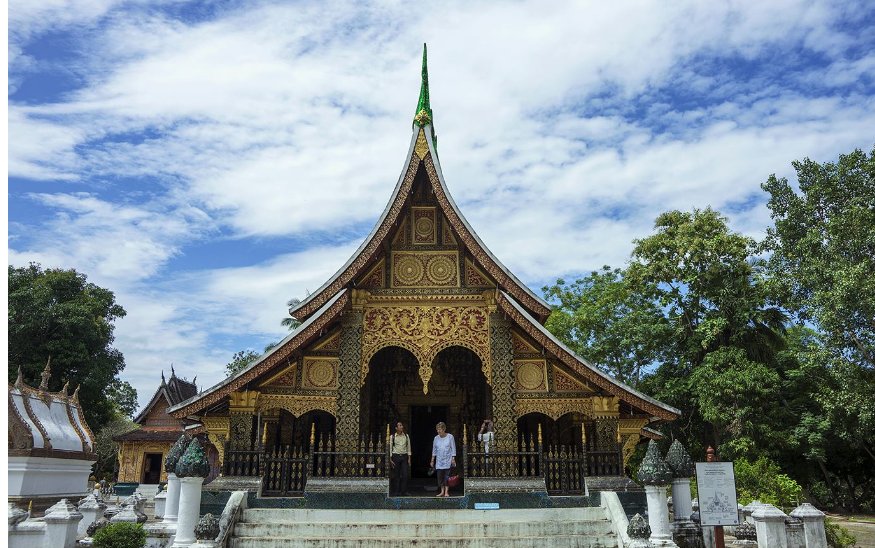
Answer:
(682, 499)
(160, 504)
(657, 516)
(189, 510)
(91, 510)
(812, 521)
(171, 507)
(771, 532)
(62, 522)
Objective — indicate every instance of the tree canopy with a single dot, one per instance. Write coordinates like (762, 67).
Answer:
(57, 313)
(702, 318)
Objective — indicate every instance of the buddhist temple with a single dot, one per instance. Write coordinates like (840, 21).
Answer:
(51, 447)
(422, 324)
(142, 451)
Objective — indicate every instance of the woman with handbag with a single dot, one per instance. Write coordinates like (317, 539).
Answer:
(443, 457)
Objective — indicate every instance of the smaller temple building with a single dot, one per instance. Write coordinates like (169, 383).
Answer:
(51, 447)
(142, 451)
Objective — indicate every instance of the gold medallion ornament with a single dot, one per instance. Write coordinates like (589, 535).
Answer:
(320, 373)
(409, 270)
(420, 269)
(441, 270)
(530, 374)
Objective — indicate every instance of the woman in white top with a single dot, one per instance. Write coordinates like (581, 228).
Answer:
(443, 457)
(486, 436)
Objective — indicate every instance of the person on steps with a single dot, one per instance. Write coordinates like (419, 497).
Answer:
(401, 454)
(443, 457)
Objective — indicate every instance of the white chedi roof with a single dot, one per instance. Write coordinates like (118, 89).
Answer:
(43, 423)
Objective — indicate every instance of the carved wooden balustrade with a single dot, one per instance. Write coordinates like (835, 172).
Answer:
(285, 469)
(367, 461)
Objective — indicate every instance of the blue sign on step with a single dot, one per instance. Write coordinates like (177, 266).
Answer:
(486, 506)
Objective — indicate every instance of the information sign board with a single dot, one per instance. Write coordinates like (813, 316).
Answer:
(718, 504)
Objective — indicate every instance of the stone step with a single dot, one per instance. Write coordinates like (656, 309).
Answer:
(280, 515)
(490, 527)
(557, 541)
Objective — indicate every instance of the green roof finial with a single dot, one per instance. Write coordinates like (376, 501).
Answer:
(423, 115)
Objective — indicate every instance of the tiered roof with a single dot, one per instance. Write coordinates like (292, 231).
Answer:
(323, 307)
(47, 424)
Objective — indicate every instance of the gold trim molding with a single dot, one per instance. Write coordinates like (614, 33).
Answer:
(426, 327)
(297, 405)
(553, 407)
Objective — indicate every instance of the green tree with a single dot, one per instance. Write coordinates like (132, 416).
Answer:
(823, 250)
(57, 313)
(241, 361)
(822, 258)
(602, 320)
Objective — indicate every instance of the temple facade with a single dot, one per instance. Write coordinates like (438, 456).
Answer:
(142, 451)
(422, 324)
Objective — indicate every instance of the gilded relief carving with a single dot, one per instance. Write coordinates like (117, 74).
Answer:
(605, 406)
(320, 373)
(375, 278)
(531, 375)
(565, 383)
(474, 277)
(424, 225)
(421, 146)
(553, 407)
(425, 269)
(521, 346)
(425, 330)
(285, 378)
(217, 432)
(297, 405)
(131, 455)
(331, 343)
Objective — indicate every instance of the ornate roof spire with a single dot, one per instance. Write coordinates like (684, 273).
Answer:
(423, 115)
(46, 375)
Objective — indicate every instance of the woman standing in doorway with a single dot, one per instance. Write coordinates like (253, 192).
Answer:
(443, 457)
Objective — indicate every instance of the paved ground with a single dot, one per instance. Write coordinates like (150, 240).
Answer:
(864, 531)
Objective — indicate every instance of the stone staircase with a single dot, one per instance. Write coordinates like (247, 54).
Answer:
(547, 527)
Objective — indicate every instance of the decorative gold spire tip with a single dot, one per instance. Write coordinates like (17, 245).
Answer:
(46, 375)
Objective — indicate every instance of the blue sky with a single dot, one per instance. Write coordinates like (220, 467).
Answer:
(208, 161)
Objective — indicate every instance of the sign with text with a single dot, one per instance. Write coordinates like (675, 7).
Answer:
(718, 504)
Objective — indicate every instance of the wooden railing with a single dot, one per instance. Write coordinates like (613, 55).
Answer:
(367, 461)
(285, 471)
(242, 462)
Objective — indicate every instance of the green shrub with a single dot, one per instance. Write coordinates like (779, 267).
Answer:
(837, 536)
(762, 480)
(120, 535)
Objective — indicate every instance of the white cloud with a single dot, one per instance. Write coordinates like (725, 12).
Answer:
(557, 136)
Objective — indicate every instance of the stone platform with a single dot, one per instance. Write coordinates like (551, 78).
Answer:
(582, 527)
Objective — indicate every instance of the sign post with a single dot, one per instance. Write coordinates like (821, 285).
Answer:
(718, 503)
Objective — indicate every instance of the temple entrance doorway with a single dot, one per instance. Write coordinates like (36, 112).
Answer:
(151, 468)
(423, 419)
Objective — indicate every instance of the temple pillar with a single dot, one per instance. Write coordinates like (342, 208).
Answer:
(349, 379)
(503, 393)
(241, 410)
